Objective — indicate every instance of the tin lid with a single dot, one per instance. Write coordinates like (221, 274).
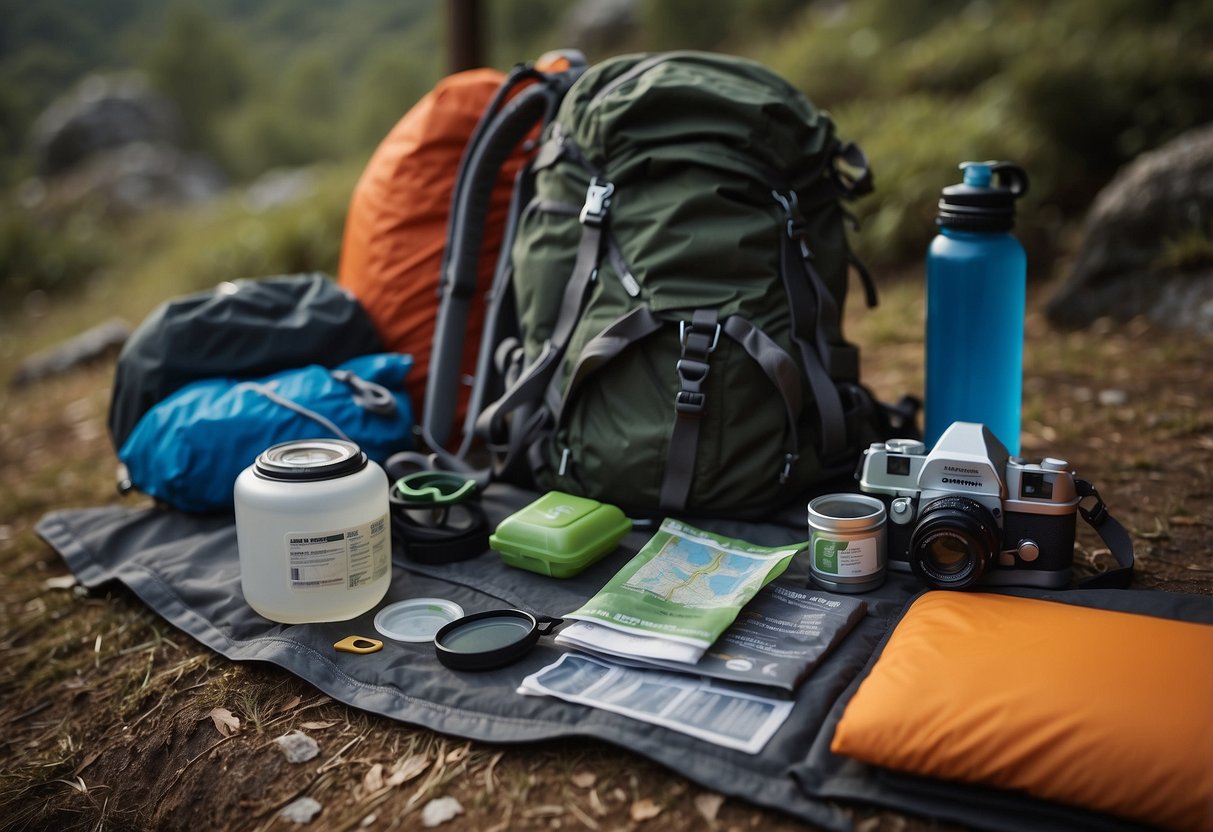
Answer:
(846, 512)
(417, 619)
(308, 460)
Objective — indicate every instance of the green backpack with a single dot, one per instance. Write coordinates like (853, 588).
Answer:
(678, 268)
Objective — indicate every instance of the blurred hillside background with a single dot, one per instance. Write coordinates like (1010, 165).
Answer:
(263, 114)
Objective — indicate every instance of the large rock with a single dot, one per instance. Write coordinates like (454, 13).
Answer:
(1147, 244)
(102, 113)
(133, 179)
(114, 145)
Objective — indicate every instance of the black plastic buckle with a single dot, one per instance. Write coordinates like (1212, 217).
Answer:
(597, 202)
(1098, 513)
(691, 374)
(689, 402)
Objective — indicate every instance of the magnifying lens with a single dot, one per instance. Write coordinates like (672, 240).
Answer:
(491, 639)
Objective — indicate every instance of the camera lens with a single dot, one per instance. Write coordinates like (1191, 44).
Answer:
(955, 541)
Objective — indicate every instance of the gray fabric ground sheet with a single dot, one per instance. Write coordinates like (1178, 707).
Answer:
(186, 568)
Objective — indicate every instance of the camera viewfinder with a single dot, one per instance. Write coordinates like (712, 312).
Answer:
(899, 465)
(1034, 486)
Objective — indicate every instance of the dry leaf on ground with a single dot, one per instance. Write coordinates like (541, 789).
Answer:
(596, 804)
(644, 809)
(60, 582)
(708, 804)
(584, 779)
(318, 726)
(372, 781)
(1185, 520)
(408, 769)
(226, 723)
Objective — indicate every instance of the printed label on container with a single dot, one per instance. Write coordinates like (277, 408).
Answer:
(342, 557)
(846, 558)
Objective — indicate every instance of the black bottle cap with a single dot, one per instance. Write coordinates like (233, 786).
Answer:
(310, 460)
(985, 200)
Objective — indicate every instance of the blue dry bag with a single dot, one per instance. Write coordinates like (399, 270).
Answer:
(189, 448)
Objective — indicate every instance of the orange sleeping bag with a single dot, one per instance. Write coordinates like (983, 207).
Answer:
(395, 232)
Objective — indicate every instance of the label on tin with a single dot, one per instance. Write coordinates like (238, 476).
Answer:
(846, 558)
(348, 557)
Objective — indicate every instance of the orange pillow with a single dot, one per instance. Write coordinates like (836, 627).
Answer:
(1104, 710)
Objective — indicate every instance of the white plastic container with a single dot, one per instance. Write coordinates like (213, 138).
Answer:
(313, 531)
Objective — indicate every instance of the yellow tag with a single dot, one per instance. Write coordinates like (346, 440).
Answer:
(358, 644)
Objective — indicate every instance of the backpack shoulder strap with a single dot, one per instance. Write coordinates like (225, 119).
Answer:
(504, 125)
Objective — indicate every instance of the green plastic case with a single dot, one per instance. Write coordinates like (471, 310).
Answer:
(559, 534)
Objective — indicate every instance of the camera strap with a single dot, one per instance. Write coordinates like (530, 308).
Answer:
(1112, 533)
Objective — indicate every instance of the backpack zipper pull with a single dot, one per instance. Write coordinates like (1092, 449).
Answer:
(626, 278)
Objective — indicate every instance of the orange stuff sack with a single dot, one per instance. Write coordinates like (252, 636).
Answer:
(1104, 710)
(395, 231)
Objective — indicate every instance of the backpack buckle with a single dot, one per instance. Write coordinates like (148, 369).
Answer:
(597, 201)
(698, 339)
(691, 375)
(687, 330)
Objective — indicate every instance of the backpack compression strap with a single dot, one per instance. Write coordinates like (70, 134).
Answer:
(815, 328)
(531, 387)
(699, 337)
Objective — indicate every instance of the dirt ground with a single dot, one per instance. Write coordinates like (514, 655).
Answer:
(113, 720)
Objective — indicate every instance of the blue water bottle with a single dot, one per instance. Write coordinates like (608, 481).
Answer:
(976, 279)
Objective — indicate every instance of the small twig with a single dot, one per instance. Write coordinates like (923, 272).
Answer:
(332, 761)
(41, 706)
(489, 783)
(177, 776)
(581, 815)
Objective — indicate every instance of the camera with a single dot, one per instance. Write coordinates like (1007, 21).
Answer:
(968, 513)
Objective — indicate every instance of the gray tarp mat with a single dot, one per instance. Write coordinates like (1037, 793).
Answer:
(186, 568)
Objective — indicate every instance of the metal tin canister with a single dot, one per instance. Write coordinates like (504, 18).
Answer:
(313, 532)
(847, 542)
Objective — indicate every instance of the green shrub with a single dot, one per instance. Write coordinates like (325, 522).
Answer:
(1097, 100)
(1071, 91)
(39, 255)
(915, 144)
(303, 236)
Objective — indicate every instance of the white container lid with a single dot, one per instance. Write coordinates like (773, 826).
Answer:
(416, 619)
